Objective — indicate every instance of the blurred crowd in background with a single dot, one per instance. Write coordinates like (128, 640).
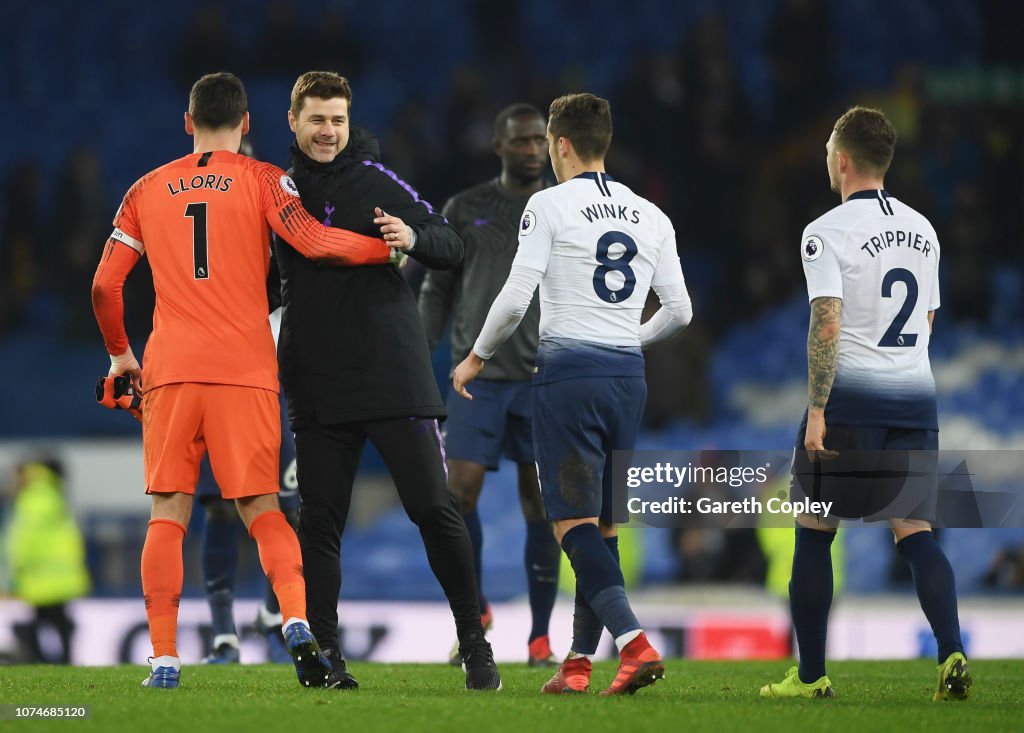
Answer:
(721, 124)
(721, 113)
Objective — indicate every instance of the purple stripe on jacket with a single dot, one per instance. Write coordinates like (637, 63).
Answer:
(409, 189)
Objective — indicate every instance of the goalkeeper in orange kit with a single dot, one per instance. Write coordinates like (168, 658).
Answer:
(210, 364)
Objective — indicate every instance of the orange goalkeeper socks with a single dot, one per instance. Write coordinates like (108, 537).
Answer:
(161, 583)
(281, 559)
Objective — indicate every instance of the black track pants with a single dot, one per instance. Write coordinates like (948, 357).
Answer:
(328, 458)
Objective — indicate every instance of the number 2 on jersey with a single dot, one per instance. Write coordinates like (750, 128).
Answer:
(893, 335)
(200, 255)
(615, 264)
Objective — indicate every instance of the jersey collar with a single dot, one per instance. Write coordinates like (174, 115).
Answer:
(871, 193)
(601, 179)
(593, 176)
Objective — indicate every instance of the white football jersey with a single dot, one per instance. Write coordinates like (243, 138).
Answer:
(601, 247)
(881, 257)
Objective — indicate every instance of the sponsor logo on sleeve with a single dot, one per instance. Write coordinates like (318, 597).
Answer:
(289, 185)
(812, 248)
(528, 224)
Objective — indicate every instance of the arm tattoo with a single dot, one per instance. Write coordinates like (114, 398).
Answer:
(822, 349)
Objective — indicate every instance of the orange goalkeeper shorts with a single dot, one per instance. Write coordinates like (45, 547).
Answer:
(239, 426)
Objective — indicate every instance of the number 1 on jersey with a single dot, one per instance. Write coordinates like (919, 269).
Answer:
(200, 255)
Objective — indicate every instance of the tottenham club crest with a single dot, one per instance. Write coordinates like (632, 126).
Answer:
(528, 224)
(289, 185)
(812, 248)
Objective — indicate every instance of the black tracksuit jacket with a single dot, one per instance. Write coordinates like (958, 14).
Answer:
(352, 345)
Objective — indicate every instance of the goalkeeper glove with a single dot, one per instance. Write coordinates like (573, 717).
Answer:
(117, 393)
(398, 258)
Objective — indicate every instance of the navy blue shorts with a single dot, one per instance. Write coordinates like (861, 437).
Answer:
(880, 473)
(495, 422)
(577, 424)
(207, 489)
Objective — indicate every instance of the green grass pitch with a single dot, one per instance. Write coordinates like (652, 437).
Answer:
(696, 696)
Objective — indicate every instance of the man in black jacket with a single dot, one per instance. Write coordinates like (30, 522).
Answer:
(354, 364)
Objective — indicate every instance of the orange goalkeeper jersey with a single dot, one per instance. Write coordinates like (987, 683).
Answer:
(202, 221)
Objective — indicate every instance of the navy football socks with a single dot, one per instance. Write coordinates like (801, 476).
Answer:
(476, 537)
(810, 598)
(220, 562)
(541, 557)
(586, 626)
(936, 589)
(599, 579)
(613, 547)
